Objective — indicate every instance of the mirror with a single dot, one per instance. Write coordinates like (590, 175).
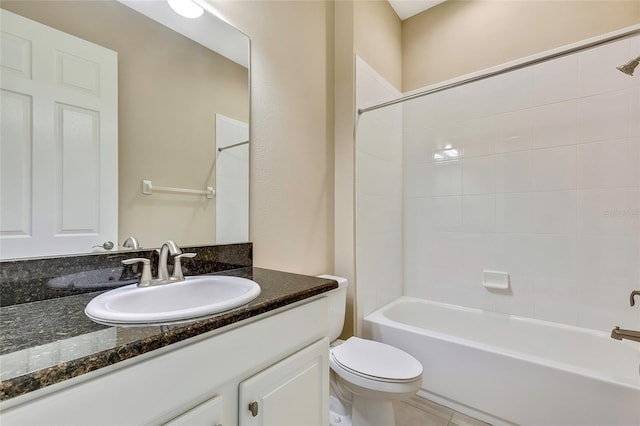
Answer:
(181, 125)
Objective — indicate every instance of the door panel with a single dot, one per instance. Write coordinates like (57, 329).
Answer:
(293, 392)
(15, 167)
(59, 146)
(79, 189)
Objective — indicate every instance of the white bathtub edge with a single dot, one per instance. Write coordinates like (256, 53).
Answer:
(379, 316)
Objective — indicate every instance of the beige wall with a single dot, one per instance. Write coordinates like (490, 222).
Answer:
(291, 130)
(378, 38)
(166, 123)
(345, 109)
(459, 37)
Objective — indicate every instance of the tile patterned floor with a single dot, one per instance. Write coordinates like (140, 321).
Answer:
(422, 412)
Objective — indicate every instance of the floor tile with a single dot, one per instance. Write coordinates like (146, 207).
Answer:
(408, 415)
(430, 407)
(460, 419)
(418, 411)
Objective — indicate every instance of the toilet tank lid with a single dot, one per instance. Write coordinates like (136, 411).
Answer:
(342, 282)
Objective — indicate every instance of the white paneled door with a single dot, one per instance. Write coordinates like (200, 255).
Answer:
(58, 143)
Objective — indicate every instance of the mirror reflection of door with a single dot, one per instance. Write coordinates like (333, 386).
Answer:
(59, 141)
(232, 180)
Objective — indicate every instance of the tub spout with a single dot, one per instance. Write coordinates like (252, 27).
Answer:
(619, 334)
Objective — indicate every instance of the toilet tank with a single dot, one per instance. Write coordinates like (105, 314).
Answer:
(337, 306)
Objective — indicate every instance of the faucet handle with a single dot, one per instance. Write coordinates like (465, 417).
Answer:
(132, 243)
(632, 300)
(145, 279)
(177, 266)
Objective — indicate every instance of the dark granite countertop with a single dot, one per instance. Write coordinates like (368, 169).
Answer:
(49, 341)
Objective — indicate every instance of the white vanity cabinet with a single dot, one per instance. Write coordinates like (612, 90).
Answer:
(278, 360)
(208, 413)
(289, 393)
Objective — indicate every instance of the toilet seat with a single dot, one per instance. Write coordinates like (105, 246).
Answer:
(376, 361)
(367, 367)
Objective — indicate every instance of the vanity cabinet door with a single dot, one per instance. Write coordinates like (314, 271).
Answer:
(293, 392)
(209, 413)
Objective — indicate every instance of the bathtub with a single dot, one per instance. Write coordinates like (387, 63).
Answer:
(511, 370)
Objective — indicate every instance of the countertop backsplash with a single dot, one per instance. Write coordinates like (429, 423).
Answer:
(37, 279)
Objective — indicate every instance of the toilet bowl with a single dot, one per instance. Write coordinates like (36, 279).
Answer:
(366, 376)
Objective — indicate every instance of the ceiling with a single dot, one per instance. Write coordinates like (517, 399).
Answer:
(407, 8)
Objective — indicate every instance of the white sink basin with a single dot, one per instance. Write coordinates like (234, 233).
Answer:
(170, 303)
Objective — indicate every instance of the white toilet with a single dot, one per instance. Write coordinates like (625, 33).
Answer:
(365, 375)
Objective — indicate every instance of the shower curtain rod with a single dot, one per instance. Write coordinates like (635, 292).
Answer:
(232, 146)
(614, 37)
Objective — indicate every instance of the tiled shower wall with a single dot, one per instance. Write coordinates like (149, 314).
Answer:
(547, 190)
(378, 194)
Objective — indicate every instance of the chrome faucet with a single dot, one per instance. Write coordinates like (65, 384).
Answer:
(177, 266)
(619, 334)
(167, 248)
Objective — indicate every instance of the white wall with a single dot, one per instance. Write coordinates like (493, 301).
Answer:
(548, 190)
(378, 194)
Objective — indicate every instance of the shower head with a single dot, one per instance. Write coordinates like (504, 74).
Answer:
(630, 66)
